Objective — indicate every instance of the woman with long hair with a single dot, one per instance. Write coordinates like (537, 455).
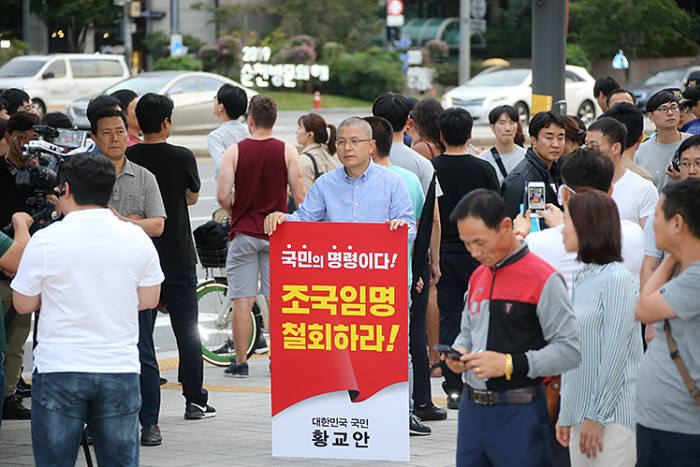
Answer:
(597, 416)
(317, 139)
(575, 134)
(422, 128)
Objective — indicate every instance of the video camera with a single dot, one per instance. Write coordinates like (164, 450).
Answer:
(43, 159)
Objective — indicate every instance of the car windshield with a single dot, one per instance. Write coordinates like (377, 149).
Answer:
(21, 68)
(500, 78)
(141, 84)
(674, 76)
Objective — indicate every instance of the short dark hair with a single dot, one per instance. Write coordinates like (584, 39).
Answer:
(152, 110)
(381, 134)
(456, 126)
(604, 85)
(597, 224)
(630, 116)
(688, 143)
(393, 107)
(425, 116)
(510, 111)
(618, 91)
(683, 198)
(660, 98)
(4, 104)
(323, 132)
(22, 121)
(543, 120)
(106, 112)
(263, 110)
(613, 130)
(586, 167)
(483, 204)
(57, 120)
(103, 100)
(692, 94)
(15, 98)
(234, 100)
(3, 127)
(125, 97)
(91, 178)
(575, 129)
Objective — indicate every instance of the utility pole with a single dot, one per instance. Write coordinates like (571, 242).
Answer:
(464, 40)
(548, 55)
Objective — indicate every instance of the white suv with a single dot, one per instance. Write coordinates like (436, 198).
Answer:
(52, 81)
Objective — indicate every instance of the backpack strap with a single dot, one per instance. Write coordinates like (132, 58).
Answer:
(499, 161)
(680, 364)
(317, 173)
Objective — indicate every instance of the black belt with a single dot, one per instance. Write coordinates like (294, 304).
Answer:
(510, 396)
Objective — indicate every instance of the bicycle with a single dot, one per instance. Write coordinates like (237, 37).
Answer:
(216, 312)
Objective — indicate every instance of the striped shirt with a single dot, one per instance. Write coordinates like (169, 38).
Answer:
(603, 387)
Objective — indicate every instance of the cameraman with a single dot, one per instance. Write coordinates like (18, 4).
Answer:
(136, 199)
(19, 132)
(90, 274)
(10, 252)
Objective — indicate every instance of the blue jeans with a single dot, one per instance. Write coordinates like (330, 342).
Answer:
(180, 291)
(63, 402)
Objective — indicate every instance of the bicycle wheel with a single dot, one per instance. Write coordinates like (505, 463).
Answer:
(215, 332)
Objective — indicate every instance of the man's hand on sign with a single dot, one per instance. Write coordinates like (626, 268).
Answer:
(553, 216)
(486, 364)
(273, 220)
(458, 366)
(394, 224)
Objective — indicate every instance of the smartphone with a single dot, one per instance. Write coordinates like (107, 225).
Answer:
(449, 351)
(535, 196)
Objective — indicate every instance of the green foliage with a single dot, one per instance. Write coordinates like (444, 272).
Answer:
(331, 51)
(511, 36)
(437, 50)
(446, 74)
(158, 44)
(224, 56)
(75, 17)
(275, 40)
(642, 28)
(183, 62)
(16, 49)
(365, 75)
(576, 55)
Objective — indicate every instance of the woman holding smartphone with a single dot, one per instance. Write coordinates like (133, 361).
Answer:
(597, 415)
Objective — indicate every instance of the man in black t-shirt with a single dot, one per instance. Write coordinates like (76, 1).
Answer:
(175, 168)
(459, 173)
(12, 200)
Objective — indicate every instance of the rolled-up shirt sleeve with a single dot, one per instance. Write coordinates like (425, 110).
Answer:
(313, 209)
(401, 207)
(559, 329)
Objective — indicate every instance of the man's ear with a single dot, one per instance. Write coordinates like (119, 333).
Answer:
(507, 224)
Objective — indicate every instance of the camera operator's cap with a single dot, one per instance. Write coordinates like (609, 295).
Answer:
(677, 93)
(693, 79)
(99, 102)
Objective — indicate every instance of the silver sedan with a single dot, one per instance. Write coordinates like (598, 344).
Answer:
(191, 92)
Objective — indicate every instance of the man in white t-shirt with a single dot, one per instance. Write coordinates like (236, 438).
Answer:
(584, 169)
(505, 154)
(91, 273)
(635, 197)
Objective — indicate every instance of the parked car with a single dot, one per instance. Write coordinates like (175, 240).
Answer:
(52, 81)
(657, 80)
(505, 85)
(192, 93)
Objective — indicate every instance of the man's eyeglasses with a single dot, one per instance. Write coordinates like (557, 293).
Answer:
(664, 109)
(351, 142)
(560, 193)
(688, 164)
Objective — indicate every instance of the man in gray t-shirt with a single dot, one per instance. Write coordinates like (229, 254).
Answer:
(668, 420)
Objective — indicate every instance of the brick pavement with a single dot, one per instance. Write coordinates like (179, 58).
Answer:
(239, 435)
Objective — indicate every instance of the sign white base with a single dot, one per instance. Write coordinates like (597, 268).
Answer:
(380, 424)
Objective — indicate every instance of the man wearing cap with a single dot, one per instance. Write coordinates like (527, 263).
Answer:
(655, 154)
(690, 111)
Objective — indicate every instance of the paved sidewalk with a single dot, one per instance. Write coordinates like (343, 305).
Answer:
(239, 435)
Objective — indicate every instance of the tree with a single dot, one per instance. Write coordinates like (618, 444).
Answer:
(75, 17)
(642, 28)
(511, 35)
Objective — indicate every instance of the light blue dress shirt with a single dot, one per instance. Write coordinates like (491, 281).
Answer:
(375, 196)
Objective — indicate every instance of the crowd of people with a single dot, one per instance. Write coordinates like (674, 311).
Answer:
(562, 274)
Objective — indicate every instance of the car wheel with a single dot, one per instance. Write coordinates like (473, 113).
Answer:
(39, 107)
(523, 113)
(586, 112)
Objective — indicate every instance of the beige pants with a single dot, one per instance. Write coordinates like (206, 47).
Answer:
(16, 336)
(619, 448)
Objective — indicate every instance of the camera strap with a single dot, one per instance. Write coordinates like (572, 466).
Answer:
(499, 161)
(680, 364)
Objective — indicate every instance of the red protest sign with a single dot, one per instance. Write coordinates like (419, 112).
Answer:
(339, 325)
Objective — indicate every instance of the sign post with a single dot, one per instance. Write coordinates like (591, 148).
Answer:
(339, 336)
